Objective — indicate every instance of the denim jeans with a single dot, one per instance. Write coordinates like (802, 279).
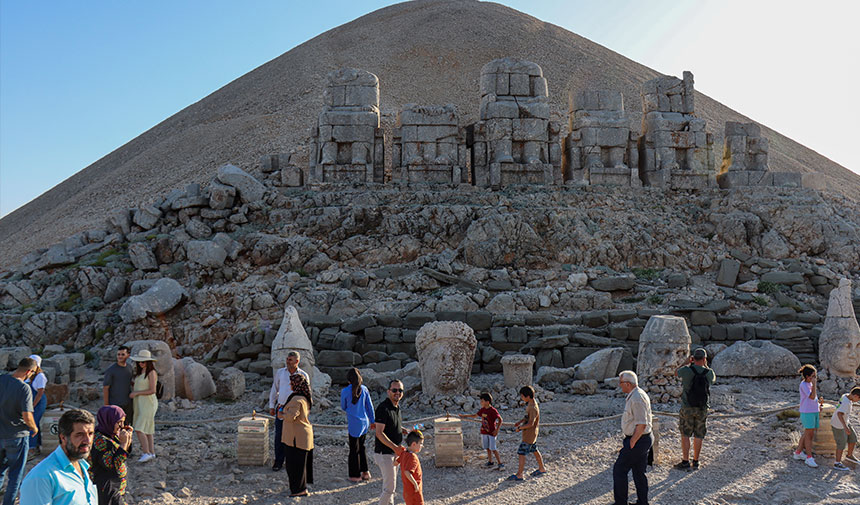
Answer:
(635, 459)
(13, 459)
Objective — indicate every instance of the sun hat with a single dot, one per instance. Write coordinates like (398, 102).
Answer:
(142, 355)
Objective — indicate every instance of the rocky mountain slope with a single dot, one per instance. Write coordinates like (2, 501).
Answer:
(426, 51)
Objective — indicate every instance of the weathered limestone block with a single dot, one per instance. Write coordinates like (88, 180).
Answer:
(230, 385)
(745, 160)
(248, 187)
(427, 145)
(50, 328)
(518, 370)
(163, 363)
(664, 346)
(600, 147)
(206, 253)
(91, 282)
(675, 150)
(142, 257)
(147, 216)
(347, 143)
(547, 374)
(163, 296)
(600, 365)
(839, 343)
(514, 142)
(221, 196)
(756, 358)
(198, 380)
(446, 350)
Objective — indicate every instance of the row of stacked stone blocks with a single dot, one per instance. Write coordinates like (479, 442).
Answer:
(514, 142)
(675, 151)
(347, 142)
(601, 148)
(745, 160)
(429, 145)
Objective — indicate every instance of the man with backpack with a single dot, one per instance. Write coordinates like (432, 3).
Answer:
(696, 379)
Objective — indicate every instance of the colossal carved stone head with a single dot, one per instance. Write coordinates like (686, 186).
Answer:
(839, 343)
(292, 337)
(445, 350)
(664, 346)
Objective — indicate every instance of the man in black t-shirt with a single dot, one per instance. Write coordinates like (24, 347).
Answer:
(389, 433)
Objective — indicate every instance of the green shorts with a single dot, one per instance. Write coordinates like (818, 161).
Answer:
(693, 421)
(843, 438)
(809, 420)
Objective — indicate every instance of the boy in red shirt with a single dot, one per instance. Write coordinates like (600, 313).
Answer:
(410, 469)
(491, 421)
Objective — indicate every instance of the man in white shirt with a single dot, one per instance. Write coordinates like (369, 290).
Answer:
(278, 396)
(636, 425)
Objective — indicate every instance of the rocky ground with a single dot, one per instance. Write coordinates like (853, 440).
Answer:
(745, 460)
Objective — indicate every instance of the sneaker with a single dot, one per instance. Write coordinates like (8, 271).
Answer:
(852, 459)
(683, 465)
(144, 458)
(695, 464)
(799, 455)
(501, 466)
(839, 466)
(810, 462)
(488, 464)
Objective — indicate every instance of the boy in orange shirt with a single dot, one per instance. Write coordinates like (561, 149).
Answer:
(410, 469)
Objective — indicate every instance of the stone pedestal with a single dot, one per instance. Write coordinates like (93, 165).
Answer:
(448, 442)
(518, 370)
(824, 443)
(253, 441)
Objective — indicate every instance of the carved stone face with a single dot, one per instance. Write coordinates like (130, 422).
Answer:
(839, 347)
(661, 359)
(445, 353)
(664, 346)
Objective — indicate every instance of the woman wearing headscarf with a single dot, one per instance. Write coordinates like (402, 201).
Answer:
(145, 402)
(40, 402)
(109, 455)
(298, 436)
(355, 401)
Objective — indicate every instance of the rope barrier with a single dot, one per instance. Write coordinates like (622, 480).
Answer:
(184, 422)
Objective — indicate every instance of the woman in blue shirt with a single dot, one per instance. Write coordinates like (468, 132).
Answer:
(355, 401)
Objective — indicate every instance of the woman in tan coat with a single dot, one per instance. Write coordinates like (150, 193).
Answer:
(298, 436)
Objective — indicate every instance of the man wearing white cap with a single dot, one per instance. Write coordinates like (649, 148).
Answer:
(40, 401)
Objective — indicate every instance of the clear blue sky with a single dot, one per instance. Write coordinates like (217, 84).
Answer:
(79, 79)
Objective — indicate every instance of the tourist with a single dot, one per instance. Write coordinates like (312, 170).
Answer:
(843, 432)
(16, 426)
(810, 406)
(410, 469)
(636, 426)
(281, 390)
(389, 433)
(696, 380)
(355, 401)
(145, 402)
(40, 402)
(117, 384)
(528, 426)
(491, 421)
(110, 452)
(297, 435)
(62, 477)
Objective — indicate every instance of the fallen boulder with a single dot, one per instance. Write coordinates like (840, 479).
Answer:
(756, 358)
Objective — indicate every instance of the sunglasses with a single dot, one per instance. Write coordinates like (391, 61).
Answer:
(396, 390)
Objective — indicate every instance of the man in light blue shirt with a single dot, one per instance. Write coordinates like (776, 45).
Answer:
(62, 478)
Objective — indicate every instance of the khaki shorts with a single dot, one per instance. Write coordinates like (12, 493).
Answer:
(692, 421)
(842, 438)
